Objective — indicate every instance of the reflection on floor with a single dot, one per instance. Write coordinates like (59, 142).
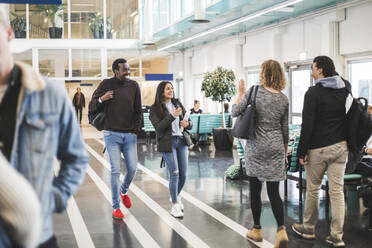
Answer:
(217, 211)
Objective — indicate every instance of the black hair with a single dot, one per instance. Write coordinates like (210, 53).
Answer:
(115, 65)
(326, 64)
(159, 96)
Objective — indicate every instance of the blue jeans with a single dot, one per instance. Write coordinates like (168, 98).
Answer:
(176, 161)
(4, 238)
(117, 143)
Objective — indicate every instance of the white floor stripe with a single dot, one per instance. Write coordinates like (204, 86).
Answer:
(183, 231)
(134, 226)
(79, 228)
(204, 207)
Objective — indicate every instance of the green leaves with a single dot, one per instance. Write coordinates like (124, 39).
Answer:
(96, 23)
(18, 23)
(219, 85)
(50, 11)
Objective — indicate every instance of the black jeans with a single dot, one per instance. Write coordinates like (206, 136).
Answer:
(364, 167)
(79, 111)
(275, 201)
(50, 243)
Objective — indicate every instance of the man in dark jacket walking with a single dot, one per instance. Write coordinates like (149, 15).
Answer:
(121, 98)
(323, 147)
(79, 103)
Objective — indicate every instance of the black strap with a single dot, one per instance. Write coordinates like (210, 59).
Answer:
(250, 101)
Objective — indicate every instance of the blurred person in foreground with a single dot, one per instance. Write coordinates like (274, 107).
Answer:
(38, 125)
(20, 224)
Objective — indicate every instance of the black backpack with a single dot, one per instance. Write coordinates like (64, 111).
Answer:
(96, 116)
(365, 192)
(358, 125)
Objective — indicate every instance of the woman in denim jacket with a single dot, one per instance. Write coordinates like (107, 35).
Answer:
(166, 115)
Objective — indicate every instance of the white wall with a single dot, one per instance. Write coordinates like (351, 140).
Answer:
(287, 42)
(356, 31)
(314, 35)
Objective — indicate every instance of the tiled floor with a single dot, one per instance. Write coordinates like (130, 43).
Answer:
(217, 211)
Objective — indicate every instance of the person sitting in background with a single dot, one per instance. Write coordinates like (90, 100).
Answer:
(20, 220)
(196, 109)
(365, 166)
(226, 108)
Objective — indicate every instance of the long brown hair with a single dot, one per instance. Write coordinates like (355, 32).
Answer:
(159, 96)
(272, 75)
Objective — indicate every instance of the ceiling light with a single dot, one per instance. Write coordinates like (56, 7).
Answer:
(286, 9)
(227, 25)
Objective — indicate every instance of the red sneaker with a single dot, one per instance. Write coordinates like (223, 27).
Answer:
(126, 200)
(117, 214)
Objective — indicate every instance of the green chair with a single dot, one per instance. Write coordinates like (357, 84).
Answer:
(148, 127)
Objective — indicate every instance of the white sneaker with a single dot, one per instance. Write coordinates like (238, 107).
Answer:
(179, 202)
(176, 211)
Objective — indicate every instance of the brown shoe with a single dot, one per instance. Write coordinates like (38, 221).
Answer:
(281, 239)
(255, 234)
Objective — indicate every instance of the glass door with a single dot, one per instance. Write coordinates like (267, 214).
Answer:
(299, 81)
(360, 76)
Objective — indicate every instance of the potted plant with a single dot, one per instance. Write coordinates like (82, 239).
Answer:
(96, 25)
(219, 86)
(53, 13)
(19, 25)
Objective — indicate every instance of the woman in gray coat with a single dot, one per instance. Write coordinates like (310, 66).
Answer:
(265, 155)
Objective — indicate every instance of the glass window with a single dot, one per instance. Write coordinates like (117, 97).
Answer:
(199, 95)
(86, 63)
(47, 21)
(360, 76)
(17, 15)
(53, 63)
(253, 78)
(176, 9)
(155, 15)
(25, 57)
(122, 19)
(296, 120)
(164, 13)
(87, 19)
(188, 7)
(301, 80)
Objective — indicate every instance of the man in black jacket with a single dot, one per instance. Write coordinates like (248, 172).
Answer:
(323, 147)
(121, 99)
(79, 103)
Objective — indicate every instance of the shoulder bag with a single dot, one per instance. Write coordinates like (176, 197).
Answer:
(244, 127)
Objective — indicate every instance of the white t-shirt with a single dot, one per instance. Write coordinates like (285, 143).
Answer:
(176, 131)
(2, 91)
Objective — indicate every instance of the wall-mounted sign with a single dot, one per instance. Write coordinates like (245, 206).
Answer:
(86, 84)
(159, 77)
(33, 1)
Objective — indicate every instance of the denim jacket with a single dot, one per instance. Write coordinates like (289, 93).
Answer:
(47, 129)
